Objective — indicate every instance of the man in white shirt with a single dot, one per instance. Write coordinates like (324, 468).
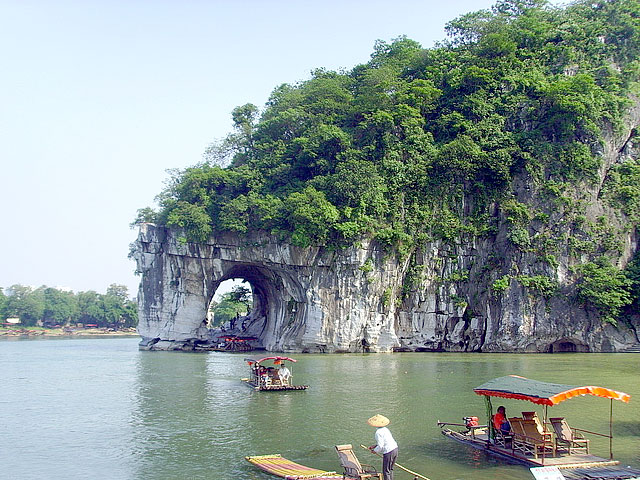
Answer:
(285, 374)
(385, 445)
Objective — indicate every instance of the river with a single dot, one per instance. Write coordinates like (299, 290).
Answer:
(100, 408)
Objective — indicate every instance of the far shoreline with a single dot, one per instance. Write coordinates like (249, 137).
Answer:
(24, 332)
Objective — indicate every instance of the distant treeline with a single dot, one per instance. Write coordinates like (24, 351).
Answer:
(47, 306)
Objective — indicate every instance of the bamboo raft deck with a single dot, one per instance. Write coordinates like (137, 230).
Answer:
(274, 388)
(601, 473)
(276, 464)
(573, 467)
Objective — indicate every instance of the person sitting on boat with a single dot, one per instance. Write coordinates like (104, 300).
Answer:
(285, 374)
(500, 422)
(263, 375)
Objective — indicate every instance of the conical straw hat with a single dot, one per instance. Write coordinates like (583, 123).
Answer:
(378, 421)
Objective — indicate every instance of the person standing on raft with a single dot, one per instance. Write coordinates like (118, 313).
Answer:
(385, 445)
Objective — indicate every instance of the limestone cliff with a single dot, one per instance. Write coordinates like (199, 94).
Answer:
(321, 300)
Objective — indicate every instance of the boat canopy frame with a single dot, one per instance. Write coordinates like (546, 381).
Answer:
(275, 358)
(543, 393)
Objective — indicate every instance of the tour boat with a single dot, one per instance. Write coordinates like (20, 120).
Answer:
(546, 442)
(265, 374)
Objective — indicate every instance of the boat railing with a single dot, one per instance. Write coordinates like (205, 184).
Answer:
(591, 433)
(581, 431)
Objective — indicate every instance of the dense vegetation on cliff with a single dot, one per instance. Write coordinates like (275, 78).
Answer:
(435, 144)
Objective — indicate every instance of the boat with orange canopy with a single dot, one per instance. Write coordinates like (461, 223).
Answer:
(268, 374)
(541, 442)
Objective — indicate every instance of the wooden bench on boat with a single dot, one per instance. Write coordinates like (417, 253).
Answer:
(528, 439)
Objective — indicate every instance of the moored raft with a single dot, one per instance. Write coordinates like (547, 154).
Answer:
(542, 447)
(276, 464)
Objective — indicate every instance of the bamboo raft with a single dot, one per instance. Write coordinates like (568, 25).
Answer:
(601, 473)
(276, 464)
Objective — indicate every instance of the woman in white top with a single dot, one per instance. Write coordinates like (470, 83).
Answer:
(385, 444)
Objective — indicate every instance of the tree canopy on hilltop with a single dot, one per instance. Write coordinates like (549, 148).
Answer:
(390, 148)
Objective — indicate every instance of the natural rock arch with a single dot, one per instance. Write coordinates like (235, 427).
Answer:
(305, 299)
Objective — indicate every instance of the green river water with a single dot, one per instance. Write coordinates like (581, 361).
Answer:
(100, 408)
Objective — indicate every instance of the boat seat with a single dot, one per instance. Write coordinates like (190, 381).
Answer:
(352, 466)
(567, 438)
(532, 442)
(534, 416)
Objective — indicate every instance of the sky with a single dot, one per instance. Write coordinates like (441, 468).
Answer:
(99, 98)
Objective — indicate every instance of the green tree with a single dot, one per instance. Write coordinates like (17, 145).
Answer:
(116, 311)
(231, 305)
(25, 303)
(241, 294)
(3, 303)
(89, 308)
(60, 307)
(604, 287)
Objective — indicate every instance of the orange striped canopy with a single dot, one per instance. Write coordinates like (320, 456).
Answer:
(543, 393)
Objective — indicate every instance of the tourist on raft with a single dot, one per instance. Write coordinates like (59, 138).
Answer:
(500, 422)
(385, 445)
(285, 374)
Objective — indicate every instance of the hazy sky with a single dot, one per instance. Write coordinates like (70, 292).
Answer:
(98, 98)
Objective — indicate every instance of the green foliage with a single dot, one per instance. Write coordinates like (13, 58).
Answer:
(3, 303)
(311, 216)
(632, 273)
(51, 306)
(501, 284)
(232, 304)
(539, 284)
(458, 276)
(25, 303)
(367, 267)
(386, 296)
(412, 278)
(604, 287)
(516, 213)
(60, 307)
(622, 188)
(519, 236)
(399, 147)
(145, 215)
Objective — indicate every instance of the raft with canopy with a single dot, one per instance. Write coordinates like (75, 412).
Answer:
(543, 447)
(266, 376)
(547, 394)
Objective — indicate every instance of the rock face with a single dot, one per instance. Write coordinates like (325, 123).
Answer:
(361, 298)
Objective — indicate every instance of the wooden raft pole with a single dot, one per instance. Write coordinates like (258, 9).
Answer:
(399, 466)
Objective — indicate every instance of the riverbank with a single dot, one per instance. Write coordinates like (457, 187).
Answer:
(64, 332)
